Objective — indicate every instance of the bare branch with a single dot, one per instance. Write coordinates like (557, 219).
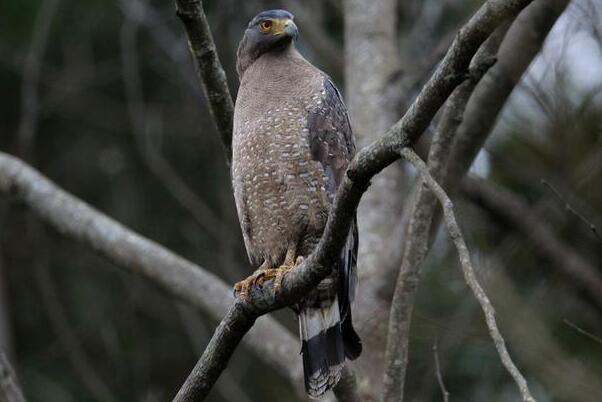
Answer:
(128, 250)
(521, 45)
(10, 391)
(367, 163)
(209, 68)
(418, 228)
(572, 210)
(439, 375)
(583, 332)
(468, 270)
(513, 210)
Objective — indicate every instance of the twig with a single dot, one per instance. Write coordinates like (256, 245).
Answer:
(469, 275)
(10, 391)
(439, 375)
(367, 163)
(572, 210)
(583, 332)
(209, 68)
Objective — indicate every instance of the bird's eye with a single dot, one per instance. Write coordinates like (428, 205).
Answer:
(265, 26)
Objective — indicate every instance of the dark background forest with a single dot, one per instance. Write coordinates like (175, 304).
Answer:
(102, 97)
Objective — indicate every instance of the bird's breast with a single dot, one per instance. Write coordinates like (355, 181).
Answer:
(277, 184)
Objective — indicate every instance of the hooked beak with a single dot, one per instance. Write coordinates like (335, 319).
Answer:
(287, 27)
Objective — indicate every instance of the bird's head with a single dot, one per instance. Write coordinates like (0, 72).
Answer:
(268, 31)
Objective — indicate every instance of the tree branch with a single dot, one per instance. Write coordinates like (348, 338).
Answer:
(75, 219)
(522, 43)
(469, 275)
(417, 239)
(572, 210)
(531, 27)
(367, 163)
(209, 68)
(444, 391)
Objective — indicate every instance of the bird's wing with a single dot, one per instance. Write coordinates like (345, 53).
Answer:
(331, 143)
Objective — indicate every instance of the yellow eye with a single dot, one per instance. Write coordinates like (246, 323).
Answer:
(265, 26)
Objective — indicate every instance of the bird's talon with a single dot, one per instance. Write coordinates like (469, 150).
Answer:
(282, 271)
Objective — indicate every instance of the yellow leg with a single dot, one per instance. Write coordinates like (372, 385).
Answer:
(264, 273)
(290, 263)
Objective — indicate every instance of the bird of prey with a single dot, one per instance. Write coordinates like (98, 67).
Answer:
(292, 143)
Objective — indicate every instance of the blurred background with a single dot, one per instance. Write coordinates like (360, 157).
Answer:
(102, 97)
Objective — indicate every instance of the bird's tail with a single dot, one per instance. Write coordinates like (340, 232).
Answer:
(326, 341)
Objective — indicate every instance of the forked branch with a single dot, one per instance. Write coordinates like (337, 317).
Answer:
(468, 271)
(367, 163)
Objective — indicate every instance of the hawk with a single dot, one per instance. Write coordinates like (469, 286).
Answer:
(292, 143)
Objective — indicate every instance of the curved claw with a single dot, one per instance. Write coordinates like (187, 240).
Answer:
(258, 278)
(262, 275)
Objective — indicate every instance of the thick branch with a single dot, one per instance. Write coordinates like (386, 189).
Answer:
(513, 210)
(521, 45)
(367, 163)
(530, 29)
(469, 275)
(417, 239)
(179, 277)
(209, 68)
